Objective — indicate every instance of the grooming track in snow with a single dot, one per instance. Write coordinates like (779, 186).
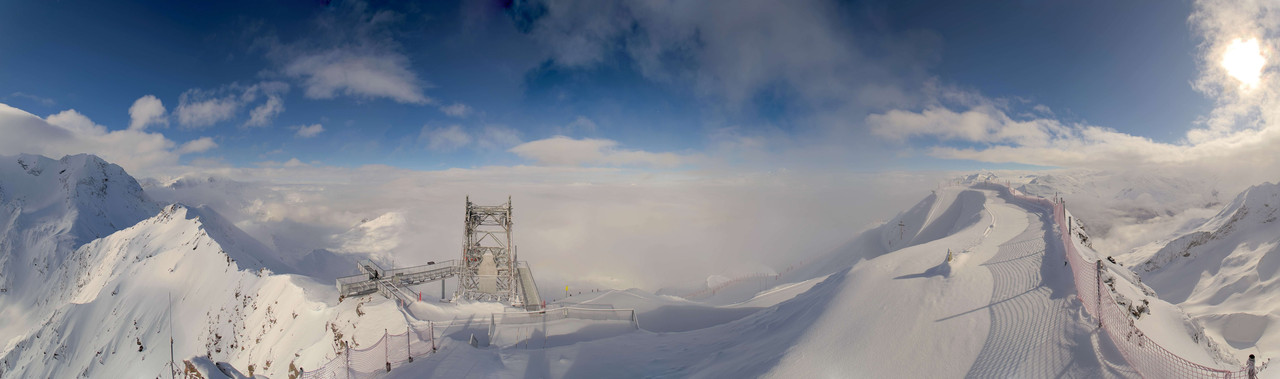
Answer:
(1022, 311)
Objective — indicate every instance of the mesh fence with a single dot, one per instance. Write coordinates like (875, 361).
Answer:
(518, 326)
(1146, 356)
(376, 360)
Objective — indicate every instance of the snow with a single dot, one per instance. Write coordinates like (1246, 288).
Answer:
(90, 263)
(1223, 272)
(47, 209)
(838, 325)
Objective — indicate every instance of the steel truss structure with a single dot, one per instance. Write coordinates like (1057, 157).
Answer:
(488, 245)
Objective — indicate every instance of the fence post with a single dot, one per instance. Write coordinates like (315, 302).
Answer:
(431, 328)
(348, 368)
(408, 343)
(1253, 372)
(386, 349)
(1097, 311)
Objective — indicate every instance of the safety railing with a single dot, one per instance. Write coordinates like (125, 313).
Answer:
(437, 266)
(379, 358)
(532, 300)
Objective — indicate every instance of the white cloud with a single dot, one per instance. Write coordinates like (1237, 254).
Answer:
(350, 52)
(199, 109)
(264, 113)
(70, 132)
(76, 123)
(983, 123)
(198, 145)
(445, 139)
(494, 137)
(147, 110)
(267, 111)
(456, 110)
(357, 73)
(453, 137)
(565, 151)
(293, 163)
(308, 131)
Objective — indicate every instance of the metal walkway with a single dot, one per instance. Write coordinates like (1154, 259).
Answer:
(393, 283)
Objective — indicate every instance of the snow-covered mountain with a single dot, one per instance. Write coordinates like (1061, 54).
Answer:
(90, 265)
(1224, 271)
(114, 318)
(48, 208)
(1127, 209)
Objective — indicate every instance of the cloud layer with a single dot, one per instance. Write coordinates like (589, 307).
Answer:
(70, 132)
(588, 227)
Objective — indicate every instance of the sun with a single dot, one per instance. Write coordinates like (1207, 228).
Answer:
(1244, 61)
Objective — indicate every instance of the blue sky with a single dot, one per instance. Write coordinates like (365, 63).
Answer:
(864, 85)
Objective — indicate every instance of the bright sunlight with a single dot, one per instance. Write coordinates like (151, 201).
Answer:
(1244, 61)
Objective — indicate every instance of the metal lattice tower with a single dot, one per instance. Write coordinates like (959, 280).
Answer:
(487, 271)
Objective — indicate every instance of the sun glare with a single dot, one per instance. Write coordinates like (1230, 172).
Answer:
(1244, 61)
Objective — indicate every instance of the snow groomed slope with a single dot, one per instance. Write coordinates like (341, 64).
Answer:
(1102, 288)
(1022, 308)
